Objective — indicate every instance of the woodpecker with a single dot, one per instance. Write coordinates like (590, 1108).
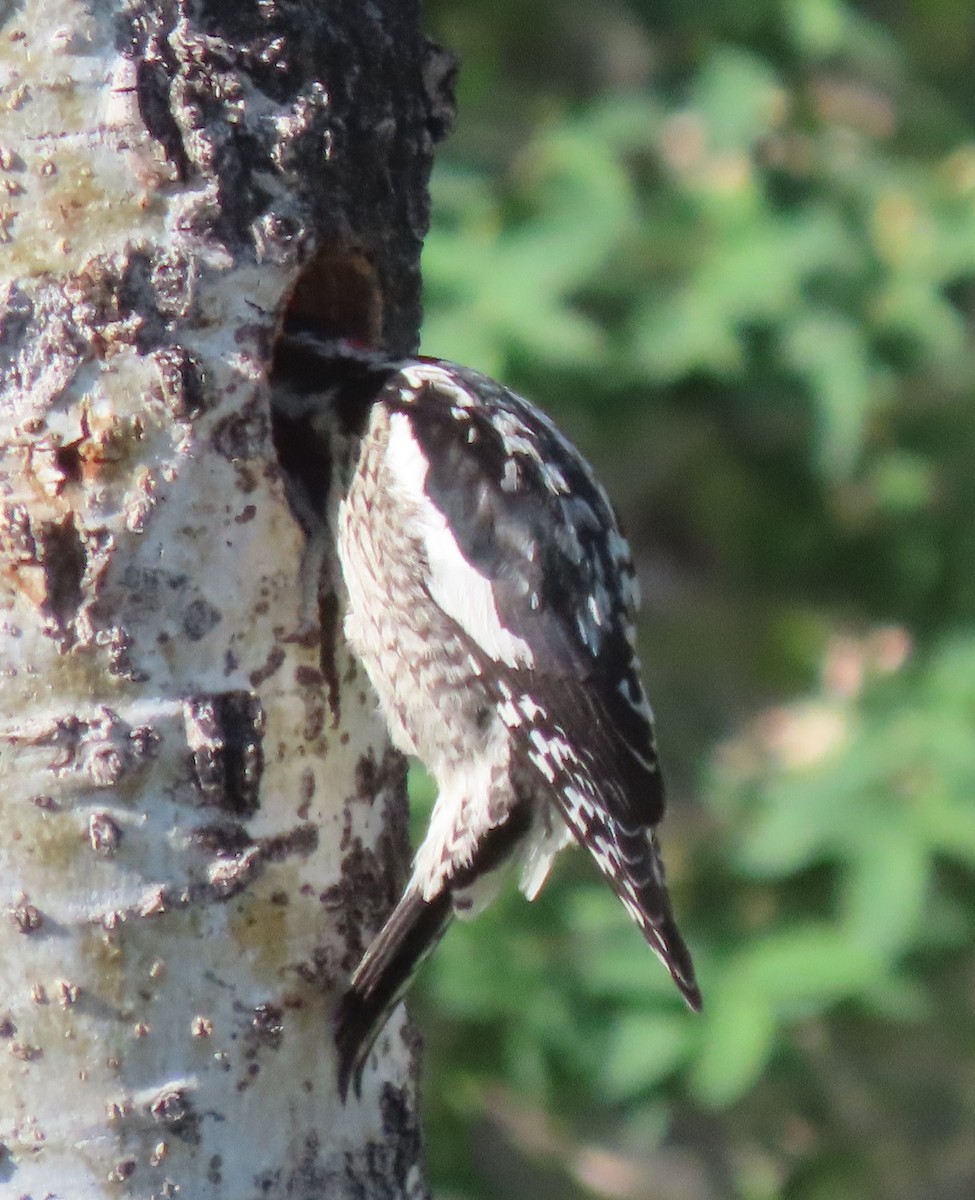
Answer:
(490, 596)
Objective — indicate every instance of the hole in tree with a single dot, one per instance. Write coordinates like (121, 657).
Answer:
(336, 296)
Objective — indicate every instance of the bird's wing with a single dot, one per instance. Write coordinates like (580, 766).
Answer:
(527, 559)
(533, 567)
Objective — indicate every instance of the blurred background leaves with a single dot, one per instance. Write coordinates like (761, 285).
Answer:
(731, 247)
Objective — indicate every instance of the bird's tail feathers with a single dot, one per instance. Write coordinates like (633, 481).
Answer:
(644, 893)
(629, 859)
(667, 943)
(412, 931)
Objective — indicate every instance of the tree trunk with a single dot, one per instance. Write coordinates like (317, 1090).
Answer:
(201, 822)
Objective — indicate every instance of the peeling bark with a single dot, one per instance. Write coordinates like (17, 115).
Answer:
(201, 821)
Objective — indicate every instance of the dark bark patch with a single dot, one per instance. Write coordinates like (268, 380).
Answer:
(372, 880)
(303, 839)
(272, 664)
(308, 677)
(64, 559)
(215, 1170)
(69, 462)
(153, 82)
(311, 1178)
(224, 840)
(374, 780)
(231, 838)
(366, 777)
(199, 618)
(242, 435)
(307, 793)
(323, 973)
(359, 902)
(380, 1168)
(401, 1126)
(225, 733)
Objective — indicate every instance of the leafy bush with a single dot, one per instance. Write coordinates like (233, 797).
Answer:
(733, 249)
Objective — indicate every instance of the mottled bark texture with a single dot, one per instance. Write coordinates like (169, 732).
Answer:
(201, 824)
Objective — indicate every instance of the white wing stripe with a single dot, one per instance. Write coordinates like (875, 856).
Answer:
(463, 593)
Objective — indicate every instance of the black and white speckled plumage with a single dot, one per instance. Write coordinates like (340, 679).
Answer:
(491, 598)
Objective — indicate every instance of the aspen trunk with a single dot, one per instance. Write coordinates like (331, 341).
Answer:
(201, 822)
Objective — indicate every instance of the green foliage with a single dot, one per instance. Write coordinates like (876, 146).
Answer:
(732, 247)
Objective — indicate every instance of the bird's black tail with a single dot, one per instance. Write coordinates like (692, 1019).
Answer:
(644, 893)
(665, 938)
(412, 931)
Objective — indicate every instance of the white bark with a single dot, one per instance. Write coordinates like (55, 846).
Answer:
(194, 843)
